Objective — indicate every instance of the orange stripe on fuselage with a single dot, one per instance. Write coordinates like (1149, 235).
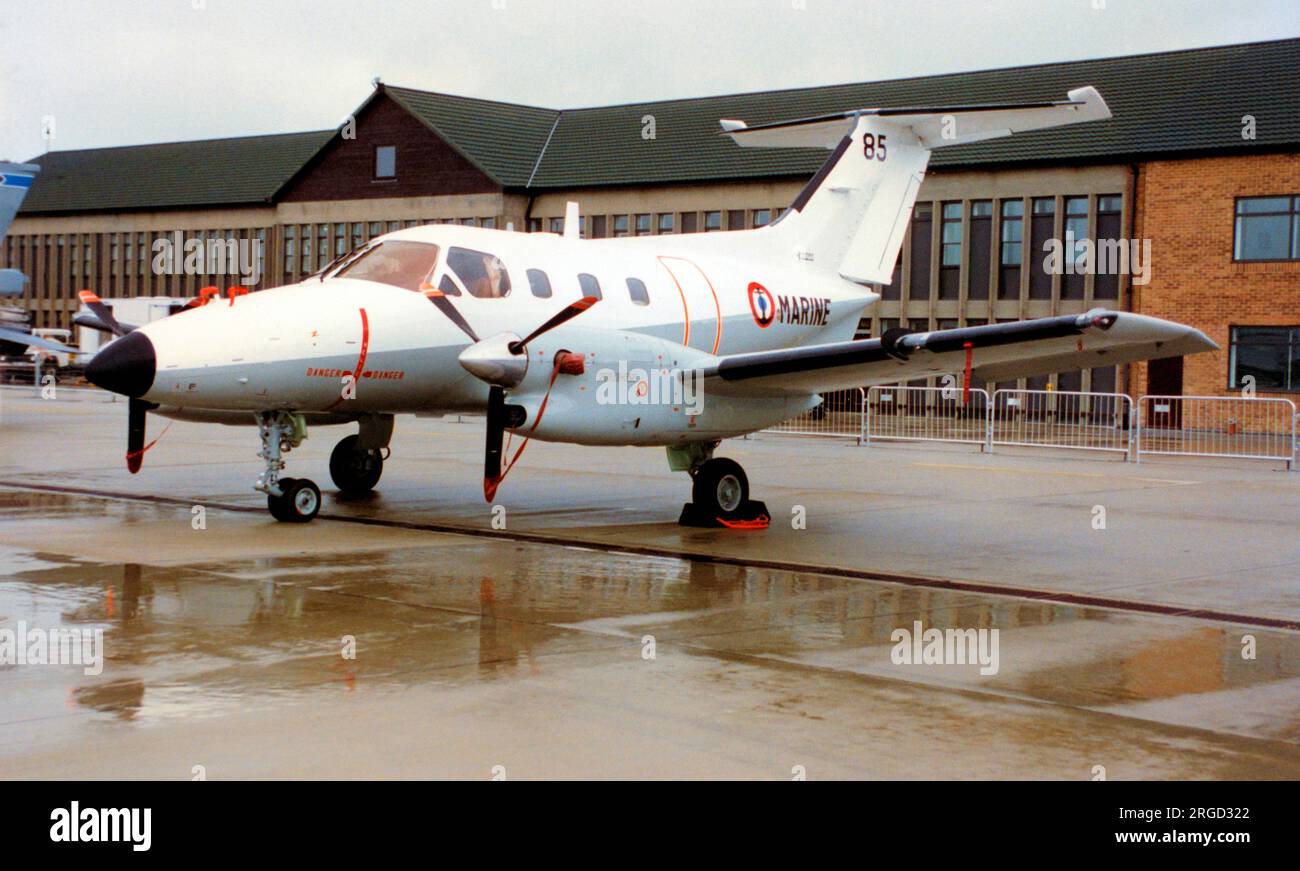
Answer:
(361, 358)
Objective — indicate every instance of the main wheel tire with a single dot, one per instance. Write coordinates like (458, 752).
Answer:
(720, 487)
(299, 502)
(354, 470)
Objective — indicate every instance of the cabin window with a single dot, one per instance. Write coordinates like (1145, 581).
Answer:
(483, 274)
(590, 286)
(637, 290)
(402, 264)
(539, 283)
(386, 161)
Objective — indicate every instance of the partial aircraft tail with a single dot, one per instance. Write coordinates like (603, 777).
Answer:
(15, 180)
(852, 215)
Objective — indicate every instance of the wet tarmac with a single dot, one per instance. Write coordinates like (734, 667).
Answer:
(371, 646)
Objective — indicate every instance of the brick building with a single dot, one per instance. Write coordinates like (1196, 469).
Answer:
(1202, 159)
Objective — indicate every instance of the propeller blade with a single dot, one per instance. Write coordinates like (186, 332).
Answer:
(496, 419)
(440, 301)
(103, 312)
(570, 311)
(135, 434)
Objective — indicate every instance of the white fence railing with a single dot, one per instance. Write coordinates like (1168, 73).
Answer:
(1201, 426)
(1061, 419)
(933, 414)
(1218, 426)
(840, 414)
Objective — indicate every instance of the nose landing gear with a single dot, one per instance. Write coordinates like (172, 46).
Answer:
(290, 500)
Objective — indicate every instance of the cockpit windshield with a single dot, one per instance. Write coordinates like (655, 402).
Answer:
(402, 264)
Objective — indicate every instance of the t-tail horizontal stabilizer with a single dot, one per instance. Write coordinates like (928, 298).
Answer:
(855, 210)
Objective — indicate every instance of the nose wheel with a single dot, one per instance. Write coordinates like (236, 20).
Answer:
(298, 502)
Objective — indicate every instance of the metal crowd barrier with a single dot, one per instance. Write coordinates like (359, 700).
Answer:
(1061, 419)
(935, 414)
(1199, 426)
(840, 414)
(1218, 426)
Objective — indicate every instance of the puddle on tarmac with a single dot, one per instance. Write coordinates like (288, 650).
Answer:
(204, 639)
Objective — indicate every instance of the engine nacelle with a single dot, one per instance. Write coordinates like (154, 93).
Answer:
(635, 389)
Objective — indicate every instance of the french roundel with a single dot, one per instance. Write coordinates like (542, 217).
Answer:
(761, 304)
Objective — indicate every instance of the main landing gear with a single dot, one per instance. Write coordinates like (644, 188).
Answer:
(290, 500)
(719, 489)
(353, 469)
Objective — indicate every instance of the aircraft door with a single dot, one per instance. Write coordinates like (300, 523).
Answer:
(701, 310)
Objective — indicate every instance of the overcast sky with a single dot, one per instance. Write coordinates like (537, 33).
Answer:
(116, 73)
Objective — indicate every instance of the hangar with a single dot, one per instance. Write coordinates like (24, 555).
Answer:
(1202, 159)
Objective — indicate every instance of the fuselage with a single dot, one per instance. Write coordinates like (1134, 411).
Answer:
(690, 299)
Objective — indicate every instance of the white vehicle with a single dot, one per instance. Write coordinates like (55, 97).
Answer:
(57, 358)
(448, 318)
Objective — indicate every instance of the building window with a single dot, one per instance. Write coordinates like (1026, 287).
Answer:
(712, 221)
(762, 217)
(643, 225)
(689, 220)
(1269, 355)
(1013, 237)
(590, 286)
(950, 252)
(665, 223)
(918, 282)
(306, 248)
(488, 223)
(620, 225)
(598, 226)
(557, 225)
(539, 282)
(386, 161)
(322, 245)
(290, 251)
(1268, 228)
(637, 290)
(1105, 284)
(981, 241)
(1075, 246)
(736, 219)
(534, 225)
(1042, 227)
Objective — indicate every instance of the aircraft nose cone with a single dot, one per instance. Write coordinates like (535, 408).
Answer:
(126, 366)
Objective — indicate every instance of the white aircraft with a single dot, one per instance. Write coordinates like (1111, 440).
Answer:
(447, 318)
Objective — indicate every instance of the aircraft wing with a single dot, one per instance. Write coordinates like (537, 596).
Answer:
(998, 352)
(18, 337)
